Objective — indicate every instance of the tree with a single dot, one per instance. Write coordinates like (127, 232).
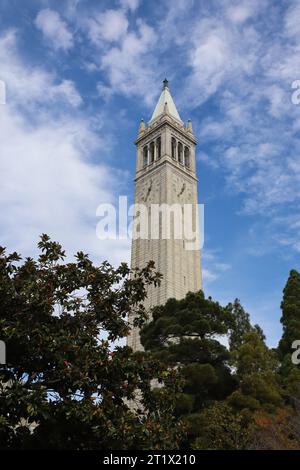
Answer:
(268, 388)
(241, 325)
(252, 409)
(64, 386)
(220, 428)
(279, 430)
(184, 335)
(290, 318)
(256, 367)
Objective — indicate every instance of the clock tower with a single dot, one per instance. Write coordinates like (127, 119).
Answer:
(166, 186)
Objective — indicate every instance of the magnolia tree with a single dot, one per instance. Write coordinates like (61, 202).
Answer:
(64, 384)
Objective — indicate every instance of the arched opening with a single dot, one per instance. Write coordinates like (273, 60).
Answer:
(152, 152)
(173, 146)
(180, 152)
(187, 157)
(158, 147)
(145, 156)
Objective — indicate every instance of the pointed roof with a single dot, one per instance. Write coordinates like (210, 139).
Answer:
(165, 98)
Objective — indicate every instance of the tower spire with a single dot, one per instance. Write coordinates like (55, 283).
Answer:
(165, 84)
(165, 98)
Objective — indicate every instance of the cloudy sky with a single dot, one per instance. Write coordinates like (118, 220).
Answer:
(80, 74)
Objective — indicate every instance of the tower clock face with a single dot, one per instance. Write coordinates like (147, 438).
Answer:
(146, 190)
(182, 190)
(150, 190)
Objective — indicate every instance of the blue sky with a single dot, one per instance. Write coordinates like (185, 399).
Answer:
(79, 76)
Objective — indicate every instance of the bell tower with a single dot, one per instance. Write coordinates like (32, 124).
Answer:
(166, 179)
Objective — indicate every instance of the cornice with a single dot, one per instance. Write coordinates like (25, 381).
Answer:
(168, 121)
(165, 161)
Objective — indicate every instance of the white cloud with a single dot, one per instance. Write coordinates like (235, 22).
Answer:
(278, 100)
(208, 276)
(128, 67)
(209, 161)
(47, 185)
(104, 91)
(223, 266)
(49, 182)
(211, 129)
(67, 90)
(123, 52)
(208, 60)
(110, 26)
(130, 4)
(212, 268)
(217, 54)
(292, 20)
(54, 29)
(246, 68)
(243, 11)
(27, 85)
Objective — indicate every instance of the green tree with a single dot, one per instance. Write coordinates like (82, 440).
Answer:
(63, 385)
(220, 428)
(290, 320)
(256, 372)
(240, 325)
(184, 335)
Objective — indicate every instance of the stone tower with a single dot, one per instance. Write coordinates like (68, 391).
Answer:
(166, 175)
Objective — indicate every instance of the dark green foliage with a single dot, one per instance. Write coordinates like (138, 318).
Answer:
(290, 318)
(241, 325)
(184, 335)
(228, 396)
(62, 375)
(256, 368)
(220, 428)
(192, 317)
